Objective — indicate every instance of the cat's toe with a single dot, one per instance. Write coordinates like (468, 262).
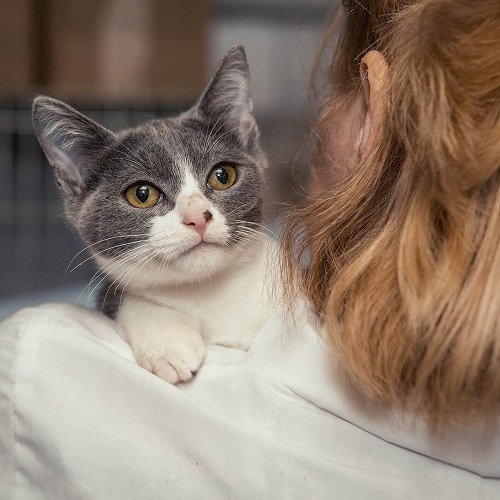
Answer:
(165, 371)
(187, 359)
(177, 362)
(176, 369)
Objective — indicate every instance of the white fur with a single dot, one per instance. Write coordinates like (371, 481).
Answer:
(166, 326)
(172, 239)
(180, 296)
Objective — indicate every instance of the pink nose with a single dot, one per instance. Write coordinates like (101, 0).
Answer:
(197, 219)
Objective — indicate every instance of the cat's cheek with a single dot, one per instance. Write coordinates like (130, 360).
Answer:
(218, 231)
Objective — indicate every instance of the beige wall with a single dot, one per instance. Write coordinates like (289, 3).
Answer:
(104, 49)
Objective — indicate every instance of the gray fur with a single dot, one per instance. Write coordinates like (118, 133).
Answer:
(94, 166)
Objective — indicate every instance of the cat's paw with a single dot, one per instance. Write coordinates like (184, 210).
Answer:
(174, 361)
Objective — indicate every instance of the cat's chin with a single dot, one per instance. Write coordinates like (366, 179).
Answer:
(199, 263)
(196, 264)
(203, 248)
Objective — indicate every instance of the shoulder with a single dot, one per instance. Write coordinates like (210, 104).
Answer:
(69, 387)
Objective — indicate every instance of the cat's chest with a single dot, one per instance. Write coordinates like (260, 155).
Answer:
(229, 310)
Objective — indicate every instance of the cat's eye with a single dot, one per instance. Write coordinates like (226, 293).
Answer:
(143, 195)
(222, 177)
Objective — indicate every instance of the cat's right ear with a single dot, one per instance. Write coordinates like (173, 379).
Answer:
(69, 139)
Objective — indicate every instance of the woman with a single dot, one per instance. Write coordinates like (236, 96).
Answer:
(403, 213)
(402, 222)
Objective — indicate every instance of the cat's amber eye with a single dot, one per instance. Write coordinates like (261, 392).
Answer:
(143, 195)
(222, 177)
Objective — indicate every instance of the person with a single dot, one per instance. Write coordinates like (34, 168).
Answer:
(389, 387)
(403, 212)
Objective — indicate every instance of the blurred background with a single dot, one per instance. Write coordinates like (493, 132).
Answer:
(122, 62)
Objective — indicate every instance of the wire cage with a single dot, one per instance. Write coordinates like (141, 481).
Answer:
(36, 243)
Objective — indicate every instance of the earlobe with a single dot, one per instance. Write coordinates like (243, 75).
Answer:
(374, 71)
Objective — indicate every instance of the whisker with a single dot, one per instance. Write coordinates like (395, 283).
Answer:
(132, 268)
(101, 241)
(208, 137)
(225, 111)
(103, 273)
(122, 274)
(219, 139)
(138, 268)
(265, 229)
(105, 250)
(252, 235)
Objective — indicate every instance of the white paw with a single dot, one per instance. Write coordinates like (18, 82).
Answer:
(174, 360)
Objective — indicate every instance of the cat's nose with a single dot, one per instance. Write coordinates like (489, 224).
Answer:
(198, 220)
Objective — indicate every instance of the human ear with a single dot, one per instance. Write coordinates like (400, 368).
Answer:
(349, 129)
(373, 71)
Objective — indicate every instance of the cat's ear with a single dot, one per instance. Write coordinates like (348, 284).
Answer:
(69, 139)
(226, 101)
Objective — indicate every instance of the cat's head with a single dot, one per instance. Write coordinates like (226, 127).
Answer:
(173, 200)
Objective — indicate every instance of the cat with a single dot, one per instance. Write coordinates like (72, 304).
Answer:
(171, 211)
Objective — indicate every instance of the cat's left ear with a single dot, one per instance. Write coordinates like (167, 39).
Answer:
(226, 101)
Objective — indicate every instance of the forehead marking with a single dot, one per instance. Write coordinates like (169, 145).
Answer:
(190, 186)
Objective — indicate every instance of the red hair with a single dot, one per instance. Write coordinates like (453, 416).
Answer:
(406, 268)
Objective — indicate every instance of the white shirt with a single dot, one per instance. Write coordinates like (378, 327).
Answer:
(80, 419)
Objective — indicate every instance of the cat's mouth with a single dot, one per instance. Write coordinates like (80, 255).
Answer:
(201, 246)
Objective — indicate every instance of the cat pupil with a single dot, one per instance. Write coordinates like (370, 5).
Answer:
(222, 175)
(142, 193)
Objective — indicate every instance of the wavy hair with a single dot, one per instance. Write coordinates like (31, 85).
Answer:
(406, 269)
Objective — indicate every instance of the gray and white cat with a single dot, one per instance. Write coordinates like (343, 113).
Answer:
(170, 210)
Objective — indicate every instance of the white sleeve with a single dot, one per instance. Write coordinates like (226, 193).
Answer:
(80, 419)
